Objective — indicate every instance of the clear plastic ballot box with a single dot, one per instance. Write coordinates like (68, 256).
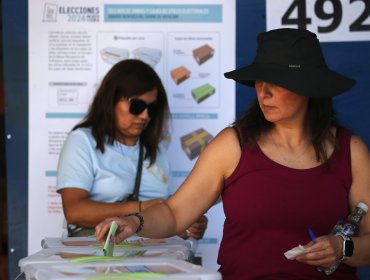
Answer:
(129, 269)
(70, 254)
(93, 254)
(73, 249)
(57, 242)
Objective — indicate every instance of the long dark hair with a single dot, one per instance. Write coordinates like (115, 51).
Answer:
(127, 78)
(320, 119)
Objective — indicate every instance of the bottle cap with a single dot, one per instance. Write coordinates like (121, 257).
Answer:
(363, 206)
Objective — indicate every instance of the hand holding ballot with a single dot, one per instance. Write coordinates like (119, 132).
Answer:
(126, 226)
(133, 224)
(322, 252)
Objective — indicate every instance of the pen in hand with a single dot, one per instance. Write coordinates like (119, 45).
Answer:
(312, 235)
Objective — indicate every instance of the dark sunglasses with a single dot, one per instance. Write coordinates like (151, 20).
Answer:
(137, 106)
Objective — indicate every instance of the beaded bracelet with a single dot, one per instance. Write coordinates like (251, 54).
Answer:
(141, 220)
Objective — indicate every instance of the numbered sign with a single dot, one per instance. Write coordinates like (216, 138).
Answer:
(331, 20)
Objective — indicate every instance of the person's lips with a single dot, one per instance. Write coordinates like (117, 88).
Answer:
(268, 108)
(140, 125)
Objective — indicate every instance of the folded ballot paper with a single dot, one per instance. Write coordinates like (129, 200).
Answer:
(110, 241)
(294, 252)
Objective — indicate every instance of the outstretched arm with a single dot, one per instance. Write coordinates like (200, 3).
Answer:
(195, 196)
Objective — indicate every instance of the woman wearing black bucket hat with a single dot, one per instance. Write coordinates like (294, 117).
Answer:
(283, 167)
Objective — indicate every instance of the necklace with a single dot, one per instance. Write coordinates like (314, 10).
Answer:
(285, 157)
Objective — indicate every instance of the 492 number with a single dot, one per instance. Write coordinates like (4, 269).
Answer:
(335, 17)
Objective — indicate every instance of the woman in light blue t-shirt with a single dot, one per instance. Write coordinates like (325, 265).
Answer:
(98, 163)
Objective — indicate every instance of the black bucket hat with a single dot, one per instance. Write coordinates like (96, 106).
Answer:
(292, 58)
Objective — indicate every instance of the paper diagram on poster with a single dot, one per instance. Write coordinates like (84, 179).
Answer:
(194, 142)
(116, 46)
(194, 69)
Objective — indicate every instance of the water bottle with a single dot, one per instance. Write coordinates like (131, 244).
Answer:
(347, 227)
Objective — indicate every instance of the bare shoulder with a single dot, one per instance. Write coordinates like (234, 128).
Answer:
(224, 150)
(359, 149)
(226, 139)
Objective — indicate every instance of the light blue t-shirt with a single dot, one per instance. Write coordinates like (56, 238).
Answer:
(110, 176)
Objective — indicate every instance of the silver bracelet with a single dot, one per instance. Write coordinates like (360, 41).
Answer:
(141, 220)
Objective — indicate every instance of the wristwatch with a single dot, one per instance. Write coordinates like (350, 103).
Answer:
(348, 247)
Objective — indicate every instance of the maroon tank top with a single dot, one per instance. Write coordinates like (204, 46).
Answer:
(269, 208)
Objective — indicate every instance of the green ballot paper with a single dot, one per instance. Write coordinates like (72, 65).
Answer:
(110, 241)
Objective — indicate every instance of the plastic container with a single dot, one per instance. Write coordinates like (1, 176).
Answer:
(64, 250)
(139, 268)
(73, 254)
(57, 242)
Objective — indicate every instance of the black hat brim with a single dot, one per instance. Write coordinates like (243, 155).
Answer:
(314, 83)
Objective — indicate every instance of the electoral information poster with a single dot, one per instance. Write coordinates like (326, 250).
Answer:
(72, 45)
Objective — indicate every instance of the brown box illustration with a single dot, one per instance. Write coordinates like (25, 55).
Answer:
(180, 74)
(194, 143)
(203, 53)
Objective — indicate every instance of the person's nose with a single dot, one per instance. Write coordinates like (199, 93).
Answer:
(264, 89)
(144, 114)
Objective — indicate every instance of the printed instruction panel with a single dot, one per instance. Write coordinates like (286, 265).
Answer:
(72, 45)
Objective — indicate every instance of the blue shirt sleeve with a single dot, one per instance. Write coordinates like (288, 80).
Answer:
(75, 163)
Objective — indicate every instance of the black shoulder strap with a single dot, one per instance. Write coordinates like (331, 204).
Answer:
(135, 195)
